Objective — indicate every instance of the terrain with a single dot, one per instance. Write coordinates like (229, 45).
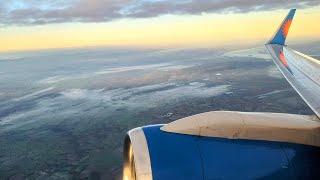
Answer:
(64, 113)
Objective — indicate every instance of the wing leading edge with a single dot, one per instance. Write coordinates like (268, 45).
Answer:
(301, 71)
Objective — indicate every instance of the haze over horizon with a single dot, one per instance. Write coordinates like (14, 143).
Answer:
(30, 25)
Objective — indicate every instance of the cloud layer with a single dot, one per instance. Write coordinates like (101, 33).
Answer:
(27, 12)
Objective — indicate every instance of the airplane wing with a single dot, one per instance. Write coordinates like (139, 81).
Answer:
(301, 71)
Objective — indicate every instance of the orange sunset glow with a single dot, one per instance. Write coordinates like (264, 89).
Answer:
(204, 30)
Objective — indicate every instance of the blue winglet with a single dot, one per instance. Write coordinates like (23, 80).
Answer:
(281, 34)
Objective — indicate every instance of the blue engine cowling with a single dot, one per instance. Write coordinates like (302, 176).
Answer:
(173, 156)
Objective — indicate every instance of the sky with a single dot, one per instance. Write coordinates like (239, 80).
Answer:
(45, 24)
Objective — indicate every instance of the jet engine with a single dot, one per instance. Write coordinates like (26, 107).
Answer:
(225, 145)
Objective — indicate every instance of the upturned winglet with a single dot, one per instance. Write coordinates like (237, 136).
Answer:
(281, 35)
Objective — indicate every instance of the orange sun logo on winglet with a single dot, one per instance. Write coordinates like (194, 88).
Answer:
(286, 27)
(284, 61)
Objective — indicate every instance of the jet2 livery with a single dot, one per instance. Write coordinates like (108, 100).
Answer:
(236, 145)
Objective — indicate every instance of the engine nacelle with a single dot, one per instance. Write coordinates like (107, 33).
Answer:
(151, 153)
